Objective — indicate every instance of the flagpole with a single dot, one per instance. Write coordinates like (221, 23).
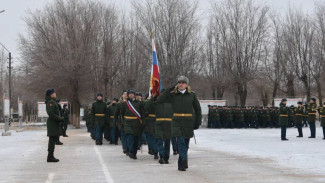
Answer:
(151, 32)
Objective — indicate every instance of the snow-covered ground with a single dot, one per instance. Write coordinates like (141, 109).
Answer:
(302, 153)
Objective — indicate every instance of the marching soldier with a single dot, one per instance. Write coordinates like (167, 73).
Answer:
(106, 128)
(53, 123)
(111, 124)
(132, 112)
(311, 108)
(150, 131)
(66, 113)
(98, 111)
(298, 118)
(87, 118)
(163, 113)
(283, 119)
(184, 102)
(119, 122)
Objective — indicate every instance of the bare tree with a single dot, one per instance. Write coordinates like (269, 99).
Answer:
(318, 64)
(244, 31)
(215, 70)
(176, 27)
(298, 35)
(60, 43)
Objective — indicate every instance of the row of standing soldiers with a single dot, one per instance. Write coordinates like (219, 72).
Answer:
(171, 116)
(310, 110)
(249, 117)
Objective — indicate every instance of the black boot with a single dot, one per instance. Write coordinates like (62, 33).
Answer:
(156, 156)
(97, 142)
(150, 152)
(175, 153)
(51, 158)
(58, 143)
(185, 164)
(161, 161)
(65, 135)
(181, 168)
(166, 161)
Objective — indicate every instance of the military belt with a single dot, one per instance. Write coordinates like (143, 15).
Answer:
(111, 117)
(163, 119)
(311, 113)
(99, 114)
(130, 117)
(323, 116)
(284, 115)
(217, 114)
(182, 115)
(152, 115)
(298, 114)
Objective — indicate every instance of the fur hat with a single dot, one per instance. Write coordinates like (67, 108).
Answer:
(49, 91)
(183, 79)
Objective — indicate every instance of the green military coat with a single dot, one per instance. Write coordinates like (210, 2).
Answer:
(184, 119)
(66, 113)
(54, 119)
(110, 115)
(163, 120)
(311, 109)
(150, 119)
(132, 126)
(298, 115)
(283, 117)
(98, 112)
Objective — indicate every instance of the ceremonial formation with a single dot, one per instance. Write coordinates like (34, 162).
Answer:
(269, 117)
(156, 120)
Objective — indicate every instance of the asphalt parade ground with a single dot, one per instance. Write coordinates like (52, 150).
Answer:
(23, 160)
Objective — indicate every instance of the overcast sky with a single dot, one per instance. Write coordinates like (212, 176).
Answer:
(11, 21)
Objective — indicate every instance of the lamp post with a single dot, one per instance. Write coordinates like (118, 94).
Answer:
(6, 132)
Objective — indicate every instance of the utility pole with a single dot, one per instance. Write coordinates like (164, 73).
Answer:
(6, 132)
(9, 88)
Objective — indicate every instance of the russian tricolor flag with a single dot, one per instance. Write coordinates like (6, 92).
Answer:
(155, 85)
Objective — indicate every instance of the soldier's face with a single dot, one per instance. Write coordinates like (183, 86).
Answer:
(53, 95)
(125, 95)
(131, 96)
(99, 98)
(182, 85)
(113, 102)
(311, 101)
(139, 98)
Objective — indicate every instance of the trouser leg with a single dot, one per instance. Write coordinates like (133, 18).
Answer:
(124, 140)
(135, 145)
(312, 129)
(299, 128)
(283, 132)
(174, 144)
(166, 149)
(112, 134)
(130, 142)
(51, 144)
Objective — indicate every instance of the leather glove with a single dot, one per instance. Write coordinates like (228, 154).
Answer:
(172, 88)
